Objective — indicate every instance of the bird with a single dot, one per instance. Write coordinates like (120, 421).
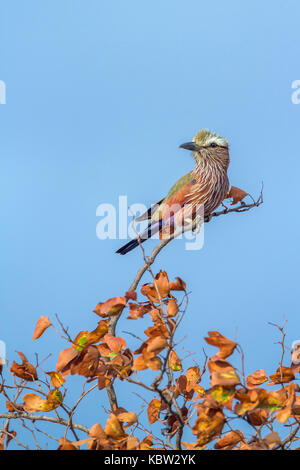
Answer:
(206, 185)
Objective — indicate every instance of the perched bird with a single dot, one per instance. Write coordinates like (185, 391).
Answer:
(206, 185)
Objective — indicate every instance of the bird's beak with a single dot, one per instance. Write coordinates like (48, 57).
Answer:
(190, 146)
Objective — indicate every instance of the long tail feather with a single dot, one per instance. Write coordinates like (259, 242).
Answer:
(151, 230)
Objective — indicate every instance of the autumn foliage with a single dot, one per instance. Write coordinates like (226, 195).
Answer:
(193, 406)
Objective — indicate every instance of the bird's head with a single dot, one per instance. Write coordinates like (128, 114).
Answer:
(207, 145)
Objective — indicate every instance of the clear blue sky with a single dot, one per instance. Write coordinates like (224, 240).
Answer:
(99, 96)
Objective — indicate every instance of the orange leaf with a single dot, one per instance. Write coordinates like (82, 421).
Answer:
(131, 295)
(115, 343)
(287, 411)
(159, 289)
(226, 345)
(57, 379)
(162, 283)
(236, 194)
(132, 443)
(172, 308)
(230, 440)
(42, 324)
(156, 345)
(174, 361)
(282, 375)
(64, 444)
(257, 378)
(222, 373)
(127, 417)
(139, 363)
(25, 370)
(33, 402)
(193, 376)
(146, 443)
(272, 439)
(111, 307)
(178, 285)
(65, 357)
(153, 410)
(113, 428)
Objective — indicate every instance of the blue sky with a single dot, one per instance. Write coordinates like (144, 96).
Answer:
(99, 97)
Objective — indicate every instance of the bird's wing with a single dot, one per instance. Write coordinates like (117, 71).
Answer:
(147, 215)
(174, 192)
(177, 196)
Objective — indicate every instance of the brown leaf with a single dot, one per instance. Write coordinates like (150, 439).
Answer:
(159, 329)
(111, 307)
(178, 285)
(287, 411)
(156, 345)
(226, 345)
(162, 283)
(42, 324)
(127, 417)
(64, 444)
(143, 362)
(98, 333)
(257, 378)
(174, 361)
(57, 379)
(65, 357)
(257, 417)
(12, 407)
(230, 440)
(153, 410)
(25, 370)
(146, 443)
(33, 402)
(139, 363)
(218, 396)
(222, 373)
(208, 425)
(86, 363)
(98, 439)
(272, 439)
(132, 443)
(236, 194)
(282, 375)
(193, 376)
(172, 308)
(115, 343)
(113, 428)
(138, 310)
(250, 400)
(159, 289)
(131, 295)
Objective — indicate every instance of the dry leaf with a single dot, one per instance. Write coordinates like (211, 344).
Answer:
(257, 378)
(25, 370)
(226, 345)
(174, 361)
(111, 307)
(236, 194)
(153, 410)
(42, 324)
(230, 440)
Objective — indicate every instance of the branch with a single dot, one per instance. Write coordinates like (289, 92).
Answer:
(50, 419)
(242, 207)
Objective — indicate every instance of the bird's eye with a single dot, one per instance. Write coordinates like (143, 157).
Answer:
(213, 145)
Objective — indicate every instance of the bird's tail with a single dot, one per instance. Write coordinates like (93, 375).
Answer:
(152, 229)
